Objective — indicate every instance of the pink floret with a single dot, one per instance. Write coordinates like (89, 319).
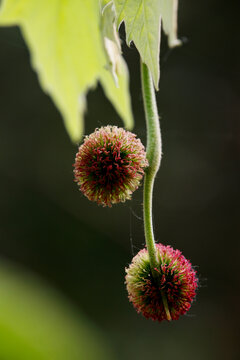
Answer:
(177, 280)
(109, 165)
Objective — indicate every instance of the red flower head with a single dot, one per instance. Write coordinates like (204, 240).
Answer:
(109, 165)
(176, 282)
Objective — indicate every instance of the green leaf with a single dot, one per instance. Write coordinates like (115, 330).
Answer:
(67, 51)
(143, 21)
(116, 81)
(66, 48)
(36, 323)
(169, 9)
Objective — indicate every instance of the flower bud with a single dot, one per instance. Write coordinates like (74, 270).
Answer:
(109, 165)
(167, 295)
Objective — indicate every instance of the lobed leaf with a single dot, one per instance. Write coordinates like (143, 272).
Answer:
(143, 24)
(68, 54)
(142, 21)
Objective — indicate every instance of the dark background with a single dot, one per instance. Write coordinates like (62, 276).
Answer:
(48, 226)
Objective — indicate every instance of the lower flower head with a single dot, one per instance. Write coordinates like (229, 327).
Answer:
(174, 286)
(109, 165)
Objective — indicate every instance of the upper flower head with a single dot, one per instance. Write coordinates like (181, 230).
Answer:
(109, 165)
(175, 284)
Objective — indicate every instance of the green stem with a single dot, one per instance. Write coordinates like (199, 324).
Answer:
(154, 150)
(154, 153)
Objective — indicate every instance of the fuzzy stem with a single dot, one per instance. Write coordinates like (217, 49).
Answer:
(154, 150)
(154, 153)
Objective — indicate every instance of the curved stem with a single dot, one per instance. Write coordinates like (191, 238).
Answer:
(148, 227)
(154, 153)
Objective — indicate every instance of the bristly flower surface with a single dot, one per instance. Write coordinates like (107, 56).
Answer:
(176, 280)
(109, 165)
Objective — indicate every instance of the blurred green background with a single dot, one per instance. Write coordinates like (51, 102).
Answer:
(79, 249)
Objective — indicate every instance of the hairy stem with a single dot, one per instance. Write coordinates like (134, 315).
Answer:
(154, 153)
(154, 150)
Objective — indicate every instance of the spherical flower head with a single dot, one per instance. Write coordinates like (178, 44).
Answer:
(174, 286)
(109, 165)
